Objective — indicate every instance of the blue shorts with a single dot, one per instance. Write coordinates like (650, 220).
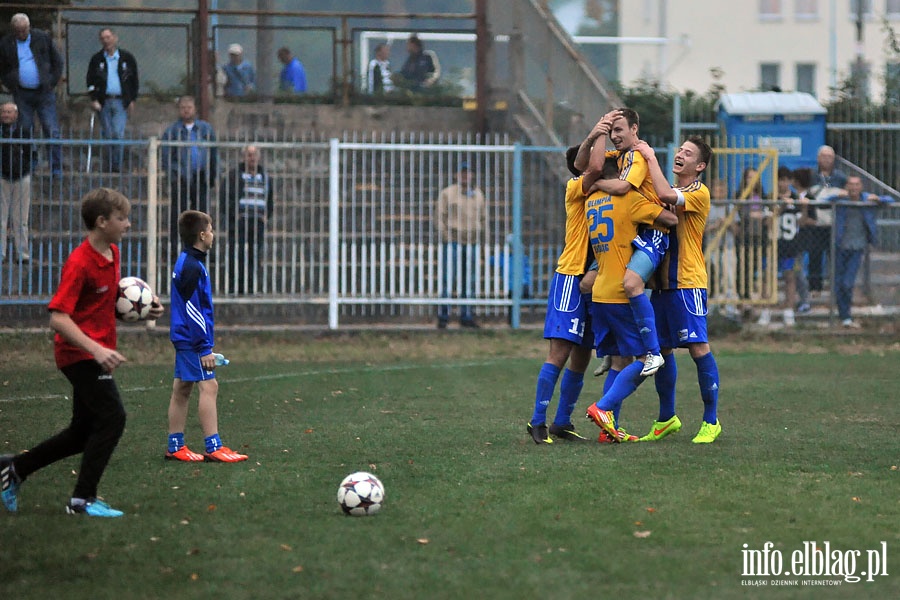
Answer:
(615, 327)
(652, 244)
(567, 312)
(680, 317)
(786, 264)
(188, 367)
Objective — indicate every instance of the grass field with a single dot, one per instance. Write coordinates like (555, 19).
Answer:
(473, 508)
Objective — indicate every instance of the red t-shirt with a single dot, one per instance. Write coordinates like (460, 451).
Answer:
(88, 287)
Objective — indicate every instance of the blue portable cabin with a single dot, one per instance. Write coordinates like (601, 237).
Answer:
(791, 122)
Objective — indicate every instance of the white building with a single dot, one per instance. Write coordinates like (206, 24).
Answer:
(797, 45)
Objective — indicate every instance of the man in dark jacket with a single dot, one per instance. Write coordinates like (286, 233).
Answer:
(112, 82)
(421, 69)
(15, 181)
(30, 68)
(246, 203)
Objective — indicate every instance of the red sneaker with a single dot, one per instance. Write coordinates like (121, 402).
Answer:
(184, 455)
(224, 454)
(604, 419)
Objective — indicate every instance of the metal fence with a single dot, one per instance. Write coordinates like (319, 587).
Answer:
(353, 224)
(352, 230)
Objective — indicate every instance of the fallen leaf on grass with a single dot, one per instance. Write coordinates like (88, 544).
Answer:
(651, 510)
(422, 541)
(194, 577)
(641, 534)
(297, 569)
(286, 548)
(310, 430)
(856, 499)
(211, 508)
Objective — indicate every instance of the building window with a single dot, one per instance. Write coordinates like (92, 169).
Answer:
(769, 10)
(806, 10)
(806, 78)
(892, 9)
(866, 6)
(892, 82)
(769, 77)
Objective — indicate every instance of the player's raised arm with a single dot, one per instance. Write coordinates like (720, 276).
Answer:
(662, 186)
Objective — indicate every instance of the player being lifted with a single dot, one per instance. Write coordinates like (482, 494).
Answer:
(613, 222)
(680, 289)
(650, 242)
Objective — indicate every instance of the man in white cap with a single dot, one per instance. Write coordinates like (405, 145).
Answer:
(240, 78)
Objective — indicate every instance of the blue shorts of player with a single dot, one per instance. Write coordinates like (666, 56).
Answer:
(616, 330)
(567, 312)
(786, 264)
(188, 367)
(649, 244)
(680, 316)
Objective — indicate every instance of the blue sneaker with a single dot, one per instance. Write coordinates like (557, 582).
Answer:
(93, 508)
(9, 484)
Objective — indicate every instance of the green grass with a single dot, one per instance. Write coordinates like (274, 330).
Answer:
(473, 507)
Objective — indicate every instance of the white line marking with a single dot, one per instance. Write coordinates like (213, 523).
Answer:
(276, 376)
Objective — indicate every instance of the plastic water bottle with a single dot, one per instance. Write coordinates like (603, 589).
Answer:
(220, 359)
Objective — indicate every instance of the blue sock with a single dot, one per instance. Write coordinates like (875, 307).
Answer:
(708, 378)
(645, 317)
(176, 442)
(213, 442)
(546, 383)
(625, 384)
(608, 383)
(569, 390)
(665, 388)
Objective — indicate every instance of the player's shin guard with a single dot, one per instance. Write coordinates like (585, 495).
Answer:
(569, 390)
(546, 383)
(708, 379)
(645, 318)
(665, 388)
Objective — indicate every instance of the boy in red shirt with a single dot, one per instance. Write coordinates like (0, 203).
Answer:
(82, 313)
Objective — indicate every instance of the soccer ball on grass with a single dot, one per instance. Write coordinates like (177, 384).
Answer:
(134, 299)
(360, 494)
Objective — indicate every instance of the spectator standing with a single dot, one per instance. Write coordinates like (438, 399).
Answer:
(246, 203)
(378, 76)
(854, 230)
(826, 177)
(30, 68)
(461, 224)
(422, 68)
(112, 83)
(15, 181)
(192, 167)
(293, 75)
(240, 78)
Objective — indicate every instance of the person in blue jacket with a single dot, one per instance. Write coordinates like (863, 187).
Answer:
(854, 230)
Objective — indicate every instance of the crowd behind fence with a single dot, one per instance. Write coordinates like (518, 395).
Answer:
(353, 227)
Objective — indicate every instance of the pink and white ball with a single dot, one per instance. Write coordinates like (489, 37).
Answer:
(360, 494)
(134, 300)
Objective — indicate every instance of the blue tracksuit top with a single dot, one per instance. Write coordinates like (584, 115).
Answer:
(192, 307)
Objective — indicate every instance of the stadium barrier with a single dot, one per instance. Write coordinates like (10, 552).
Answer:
(353, 227)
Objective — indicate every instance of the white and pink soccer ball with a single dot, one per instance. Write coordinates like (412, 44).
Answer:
(134, 299)
(360, 494)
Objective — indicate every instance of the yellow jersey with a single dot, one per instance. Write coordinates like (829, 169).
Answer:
(683, 266)
(633, 169)
(612, 225)
(575, 252)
